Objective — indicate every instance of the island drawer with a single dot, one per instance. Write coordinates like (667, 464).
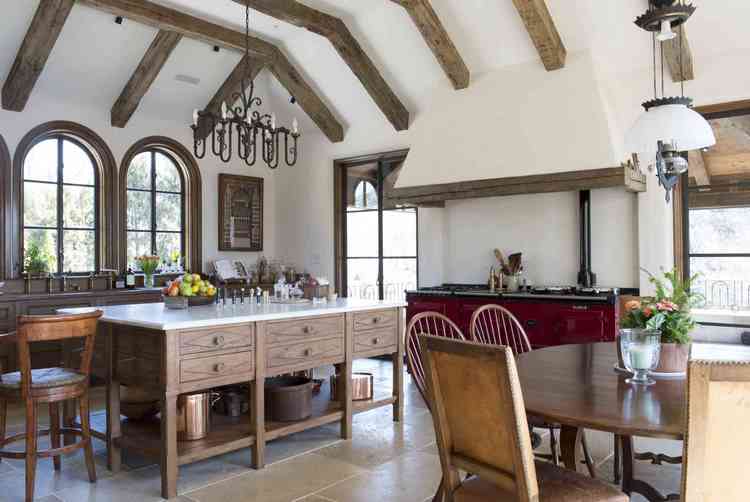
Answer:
(374, 319)
(305, 355)
(215, 339)
(375, 342)
(282, 332)
(217, 366)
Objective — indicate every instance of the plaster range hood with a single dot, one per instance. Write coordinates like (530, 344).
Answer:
(515, 131)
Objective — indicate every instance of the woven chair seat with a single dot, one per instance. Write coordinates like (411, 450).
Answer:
(42, 378)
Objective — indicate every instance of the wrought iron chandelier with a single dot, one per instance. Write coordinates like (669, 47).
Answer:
(669, 125)
(242, 128)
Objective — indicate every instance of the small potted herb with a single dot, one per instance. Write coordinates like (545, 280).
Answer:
(36, 261)
(669, 312)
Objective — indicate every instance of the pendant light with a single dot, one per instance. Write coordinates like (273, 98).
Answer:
(669, 125)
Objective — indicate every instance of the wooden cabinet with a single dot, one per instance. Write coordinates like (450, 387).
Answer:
(217, 339)
(304, 355)
(217, 366)
(373, 320)
(375, 342)
(281, 332)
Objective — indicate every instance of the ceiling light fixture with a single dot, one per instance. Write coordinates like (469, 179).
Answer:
(669, 125)
(253, 131)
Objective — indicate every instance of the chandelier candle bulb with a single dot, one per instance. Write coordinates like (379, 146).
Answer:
(273, 121)
(195, 117)
(224, 110)
(295, 126)
(666, 32)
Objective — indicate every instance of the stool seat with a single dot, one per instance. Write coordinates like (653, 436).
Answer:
(555, 485)
(42, 378)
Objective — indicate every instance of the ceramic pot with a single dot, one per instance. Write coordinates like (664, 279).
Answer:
(674, 358)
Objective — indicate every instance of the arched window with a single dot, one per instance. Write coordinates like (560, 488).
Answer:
(161, 203)
(63, 191)
(155, 202)
(365, 196)
(60, 204)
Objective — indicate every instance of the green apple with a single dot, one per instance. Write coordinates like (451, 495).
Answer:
(187, 278)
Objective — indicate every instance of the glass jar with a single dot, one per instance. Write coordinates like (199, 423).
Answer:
(640, 349)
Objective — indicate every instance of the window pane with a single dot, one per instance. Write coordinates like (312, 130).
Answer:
(166, 244)
(46, 240)
(168, 211)
(725, 282)
(139, 210)
(39, 204)
(362, 278)
(167, 176)
(398, 276)
(724, 230)
(362, 234)
(41, 162)
(77, 166)
(78, 207)
(400, 232)
(139, 172)
(79, 250)
(139, 243)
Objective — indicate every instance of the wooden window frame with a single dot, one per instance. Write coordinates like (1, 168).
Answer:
(339, 211)
(681, 198)
(106, 194)
(192, 199)
(6, 174)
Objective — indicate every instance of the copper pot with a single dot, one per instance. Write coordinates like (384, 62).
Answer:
(194, 415)
(362, 387)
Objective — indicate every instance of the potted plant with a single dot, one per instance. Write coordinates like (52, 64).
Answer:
(36, 260)
(668, 311)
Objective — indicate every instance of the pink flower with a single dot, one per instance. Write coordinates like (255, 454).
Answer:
(666, 306)
(648, 311)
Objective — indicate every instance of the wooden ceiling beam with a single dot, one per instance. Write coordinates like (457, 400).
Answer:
(164, 18)
(698, 168)
(230, 87)
(336, 31)
(37, 45)
(143, 76)
(543, 32)
(438, 40)
(672, 48)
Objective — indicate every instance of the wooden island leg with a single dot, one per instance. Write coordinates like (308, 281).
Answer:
(257, 400)
(169, 469)
(114, 454)
(398, 372)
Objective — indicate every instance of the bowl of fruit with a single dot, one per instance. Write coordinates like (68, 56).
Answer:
(189, 290)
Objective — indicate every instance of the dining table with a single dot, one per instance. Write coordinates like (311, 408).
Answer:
(580, 387)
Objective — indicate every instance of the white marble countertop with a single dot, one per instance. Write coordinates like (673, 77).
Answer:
(157, 316)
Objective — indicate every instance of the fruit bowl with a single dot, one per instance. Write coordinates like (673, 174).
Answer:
(190, 290)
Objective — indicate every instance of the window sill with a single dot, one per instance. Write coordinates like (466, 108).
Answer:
(725, 317)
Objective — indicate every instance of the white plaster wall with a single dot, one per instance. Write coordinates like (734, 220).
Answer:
(13, 126)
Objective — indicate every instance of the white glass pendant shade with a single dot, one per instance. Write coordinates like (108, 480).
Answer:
(675, 124)
(666, 32)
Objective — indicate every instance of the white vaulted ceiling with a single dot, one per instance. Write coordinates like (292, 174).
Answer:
(94, 57)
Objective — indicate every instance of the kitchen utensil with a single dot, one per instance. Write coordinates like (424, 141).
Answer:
(289, 398)
(194, 415)
(362, 387)
(501, 261)
(514, 263)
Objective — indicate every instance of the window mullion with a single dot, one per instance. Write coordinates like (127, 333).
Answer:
(153, 203)
(60, 208)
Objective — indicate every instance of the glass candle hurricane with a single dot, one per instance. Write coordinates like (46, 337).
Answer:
(640, 353)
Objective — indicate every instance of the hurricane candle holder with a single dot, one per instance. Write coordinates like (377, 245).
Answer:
(641, 349)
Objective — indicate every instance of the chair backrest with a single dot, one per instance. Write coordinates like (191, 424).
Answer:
(717, 442)
(32, 329)
(426, 323)
(496, 325)
(479, 415)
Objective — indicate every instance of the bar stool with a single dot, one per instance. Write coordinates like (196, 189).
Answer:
(52, 386)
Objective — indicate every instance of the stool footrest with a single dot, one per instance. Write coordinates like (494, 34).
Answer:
(53, 452)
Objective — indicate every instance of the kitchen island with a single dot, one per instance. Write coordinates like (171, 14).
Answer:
(173, 352)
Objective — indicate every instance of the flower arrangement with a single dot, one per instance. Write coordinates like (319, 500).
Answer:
(148, 265)
(667, 311)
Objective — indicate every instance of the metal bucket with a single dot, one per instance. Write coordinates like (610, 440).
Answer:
(362, 387)
(194, 415)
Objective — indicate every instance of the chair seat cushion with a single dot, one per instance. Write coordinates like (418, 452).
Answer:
(555, 485)
(42, 378)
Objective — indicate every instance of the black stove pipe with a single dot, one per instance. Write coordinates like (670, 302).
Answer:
(586, 277)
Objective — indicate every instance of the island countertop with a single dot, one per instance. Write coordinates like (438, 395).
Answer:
(157, 316)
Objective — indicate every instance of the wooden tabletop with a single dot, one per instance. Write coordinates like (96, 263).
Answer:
(577, 385)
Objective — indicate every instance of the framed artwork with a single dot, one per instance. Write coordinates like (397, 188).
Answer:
(240, 213)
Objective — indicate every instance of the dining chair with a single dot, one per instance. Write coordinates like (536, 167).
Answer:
(481, 427)
(717, 436)
(427, 323)
(495, 325)
(51, 386)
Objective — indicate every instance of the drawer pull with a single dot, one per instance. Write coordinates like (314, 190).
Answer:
(375, 341)
(308, 329)
(219, 340)
(374, 320)
(218, 368)
(307, 352)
